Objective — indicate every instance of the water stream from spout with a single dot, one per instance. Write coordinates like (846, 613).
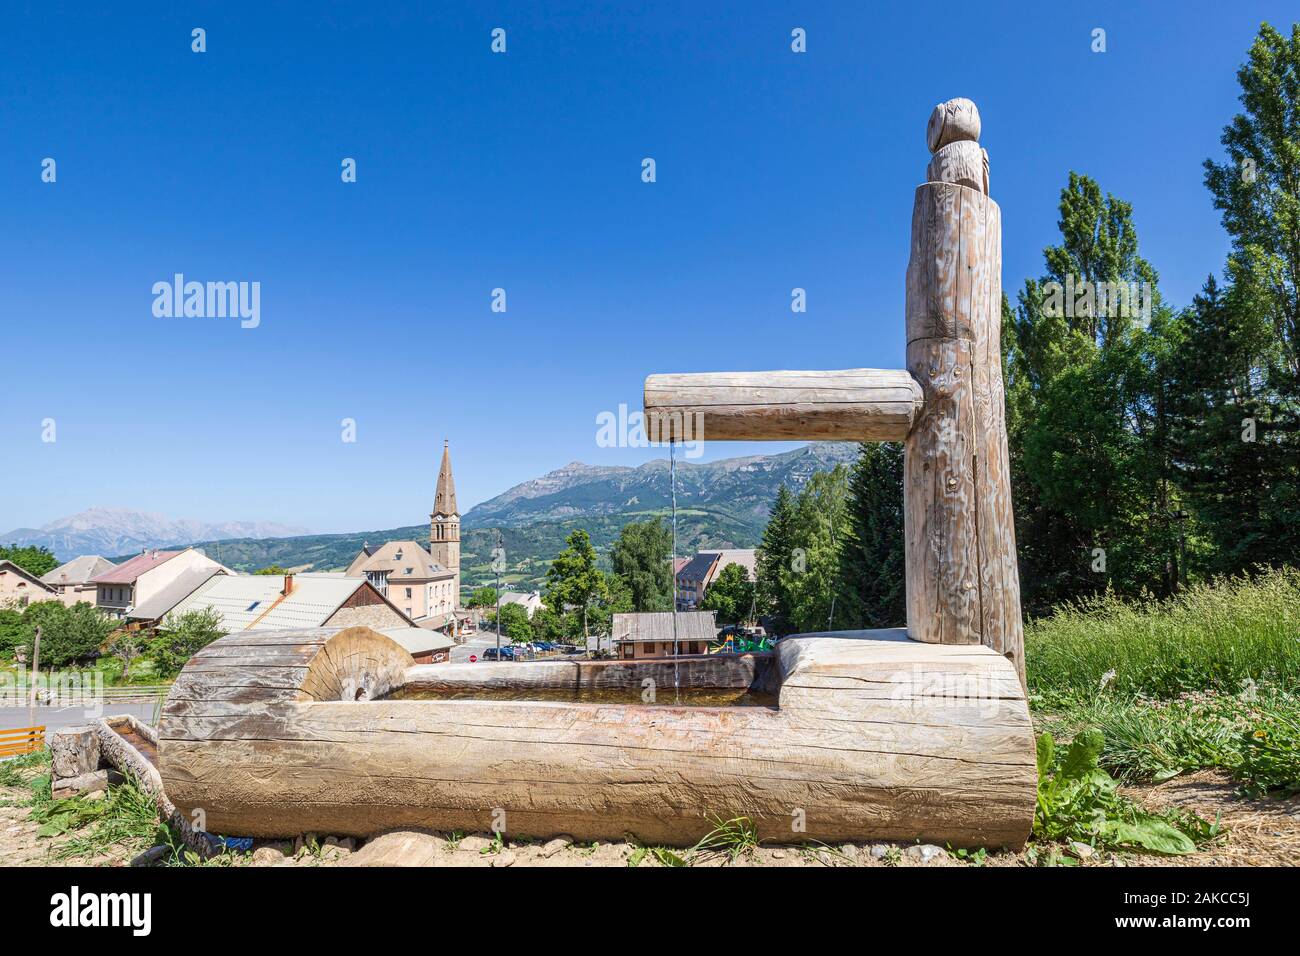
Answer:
(672, 567)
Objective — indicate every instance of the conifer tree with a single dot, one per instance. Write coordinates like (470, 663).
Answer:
(774, 559)
(872, 592)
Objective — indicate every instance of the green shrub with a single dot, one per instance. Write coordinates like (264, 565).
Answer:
(183, 636)
(1079, 801)
(1270, 751)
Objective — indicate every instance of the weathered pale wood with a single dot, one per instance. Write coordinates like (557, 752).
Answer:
(74, 752)
(961, 163)
(952, 121)
(962, 580)
(861, 404)
(874, 737)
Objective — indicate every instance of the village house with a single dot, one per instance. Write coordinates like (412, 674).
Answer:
(652, 634)
(72, 581)
(19, 587)
(255, 602)
(151, 611)
(691, 580)
(424, 584)
(407, 575)
(121, 589)
(697, 575)
(530, 601)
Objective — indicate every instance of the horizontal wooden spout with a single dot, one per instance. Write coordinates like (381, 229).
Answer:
(858, 404)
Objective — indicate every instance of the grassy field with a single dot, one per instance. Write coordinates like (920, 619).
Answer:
(1207, 679)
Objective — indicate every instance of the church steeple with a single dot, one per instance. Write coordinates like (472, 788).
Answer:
(444, 501)
(444, 521)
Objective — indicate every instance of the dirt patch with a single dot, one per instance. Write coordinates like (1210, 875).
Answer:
(20, 845)
(1260, 832)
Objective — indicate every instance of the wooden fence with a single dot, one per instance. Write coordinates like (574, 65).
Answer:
(16, 741)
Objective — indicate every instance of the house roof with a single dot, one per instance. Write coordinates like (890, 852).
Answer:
(414, 563)
(158, 605)
(78, 571)
(128, 571)
(7, 565)
(747, 558)
(417, 640)
(520, 597)
(444, 500)
(245, 601)
(699, 567)
(658, 626)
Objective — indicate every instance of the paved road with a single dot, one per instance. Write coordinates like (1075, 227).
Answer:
(476, 645)
(482, 640)
(55, 717)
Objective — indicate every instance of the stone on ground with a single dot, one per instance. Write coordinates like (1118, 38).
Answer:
(401, 848)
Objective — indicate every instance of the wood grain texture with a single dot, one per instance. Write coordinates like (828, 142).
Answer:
(962, 580)
(952, 121)
(860, 404)
(961, 162)
(874, 737)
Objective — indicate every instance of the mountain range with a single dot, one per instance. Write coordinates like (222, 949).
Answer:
(107, 531)
(720, 504)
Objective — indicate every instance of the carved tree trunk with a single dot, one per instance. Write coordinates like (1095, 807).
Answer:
(962, 582)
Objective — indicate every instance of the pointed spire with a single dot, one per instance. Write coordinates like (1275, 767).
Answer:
(444, 502)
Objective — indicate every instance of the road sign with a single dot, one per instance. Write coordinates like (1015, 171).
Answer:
(473, 658)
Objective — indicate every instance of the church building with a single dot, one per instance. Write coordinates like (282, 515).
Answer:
(423, 582)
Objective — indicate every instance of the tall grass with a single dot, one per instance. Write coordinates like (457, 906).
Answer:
(1209, 678)
(1213, 637)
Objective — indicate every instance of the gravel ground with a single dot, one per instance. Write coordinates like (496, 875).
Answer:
(1258, 833)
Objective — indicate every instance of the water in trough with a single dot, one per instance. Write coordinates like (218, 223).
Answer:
(668, 697)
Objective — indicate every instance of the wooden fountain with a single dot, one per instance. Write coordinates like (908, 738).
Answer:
(916, 733)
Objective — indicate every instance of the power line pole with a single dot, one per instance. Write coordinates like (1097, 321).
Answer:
(36, 673)
(498, 560)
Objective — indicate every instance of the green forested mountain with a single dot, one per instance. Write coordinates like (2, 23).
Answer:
(719, 504)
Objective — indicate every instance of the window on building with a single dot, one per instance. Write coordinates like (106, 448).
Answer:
(408, 592)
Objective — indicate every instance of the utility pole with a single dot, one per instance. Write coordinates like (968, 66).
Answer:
(36, 673)
(499, 559)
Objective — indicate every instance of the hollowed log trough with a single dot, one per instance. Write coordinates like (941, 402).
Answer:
(873, 737)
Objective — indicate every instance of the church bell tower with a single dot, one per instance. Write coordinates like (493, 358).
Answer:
(444, 522)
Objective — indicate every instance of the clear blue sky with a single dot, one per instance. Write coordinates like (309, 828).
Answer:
(520, 171)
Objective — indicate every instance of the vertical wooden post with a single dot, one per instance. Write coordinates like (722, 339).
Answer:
(36, 675)
(962, 583)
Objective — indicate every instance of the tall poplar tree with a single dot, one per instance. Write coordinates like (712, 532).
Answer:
(1085, 425)
(1238, 354)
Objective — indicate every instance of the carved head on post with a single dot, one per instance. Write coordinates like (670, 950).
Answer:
(953, 135)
